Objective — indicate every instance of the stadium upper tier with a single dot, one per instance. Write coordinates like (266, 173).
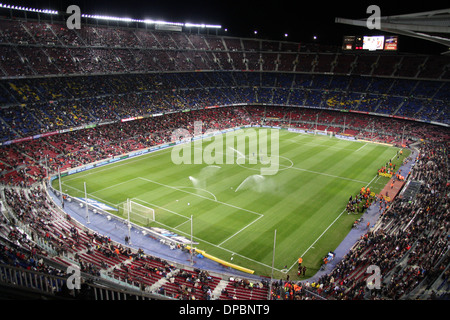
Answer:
(31, 48)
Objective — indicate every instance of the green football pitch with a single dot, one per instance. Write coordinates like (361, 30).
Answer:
(235, 209)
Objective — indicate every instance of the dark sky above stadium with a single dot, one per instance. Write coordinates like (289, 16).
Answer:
(301, 20)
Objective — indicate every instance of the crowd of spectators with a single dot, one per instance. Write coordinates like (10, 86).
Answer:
(30, 161)
(48, 47)
(33, 218)
(410, 245)
(38, 105)
(42, 105)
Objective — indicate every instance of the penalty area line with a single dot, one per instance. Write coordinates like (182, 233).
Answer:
(205, 241)
(200, 196)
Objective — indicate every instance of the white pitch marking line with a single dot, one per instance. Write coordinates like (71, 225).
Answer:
(212, 244)
(311, 171)
(224, 203)
(171, 211)
(361, 147)
(198, 195)
(240, 231)
(81, 191)
(204, 190)
(312, 245)
(325, 174)
(113, 186)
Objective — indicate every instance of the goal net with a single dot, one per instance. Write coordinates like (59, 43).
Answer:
(138, 213)
(323, 133)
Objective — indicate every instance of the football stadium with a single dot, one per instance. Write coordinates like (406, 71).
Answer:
(153, 160)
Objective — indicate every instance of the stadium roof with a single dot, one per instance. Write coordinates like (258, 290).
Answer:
(431, 25)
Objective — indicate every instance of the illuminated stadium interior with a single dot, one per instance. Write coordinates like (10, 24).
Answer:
(118, 86)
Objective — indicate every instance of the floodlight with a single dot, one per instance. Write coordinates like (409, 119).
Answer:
(187, 24)
(213, 26)
(202, 25)
(126, 19)
(150, 21)
(8, 6)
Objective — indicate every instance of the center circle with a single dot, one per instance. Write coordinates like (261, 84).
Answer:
(260, 165)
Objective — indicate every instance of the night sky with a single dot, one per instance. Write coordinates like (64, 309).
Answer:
(301, 20)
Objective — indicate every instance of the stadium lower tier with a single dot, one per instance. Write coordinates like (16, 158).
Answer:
(408, 242)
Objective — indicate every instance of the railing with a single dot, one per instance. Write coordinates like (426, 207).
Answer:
(36, 283)
(31, 280)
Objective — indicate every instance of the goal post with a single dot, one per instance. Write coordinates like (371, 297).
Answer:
(323, 133)
(138, 213)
